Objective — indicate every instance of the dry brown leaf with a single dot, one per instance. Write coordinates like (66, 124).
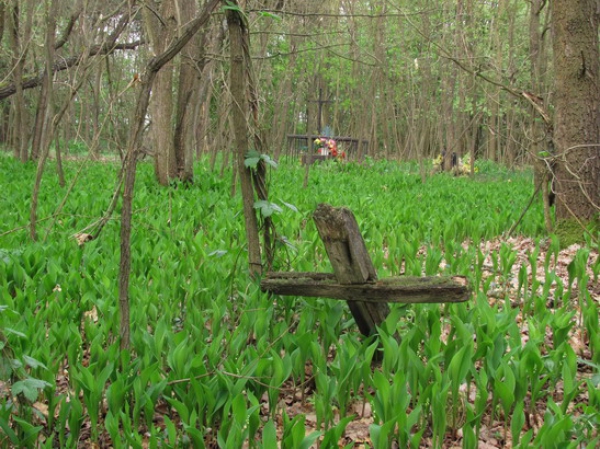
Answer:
(82, 238)
(92, 314)
(42, 408)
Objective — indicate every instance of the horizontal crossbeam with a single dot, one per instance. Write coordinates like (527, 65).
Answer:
(403, 289)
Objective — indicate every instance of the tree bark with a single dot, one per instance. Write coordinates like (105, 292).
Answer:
(238, 42)
(19, 53)
(539, 130)
(577, 109)
(44, 113)
(189, 71)
(161, 30)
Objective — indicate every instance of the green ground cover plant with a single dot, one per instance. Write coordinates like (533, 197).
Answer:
(215, 362)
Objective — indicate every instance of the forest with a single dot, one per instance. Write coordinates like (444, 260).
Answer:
(299, 224)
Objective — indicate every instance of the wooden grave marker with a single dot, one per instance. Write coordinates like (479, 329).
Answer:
(354, 278)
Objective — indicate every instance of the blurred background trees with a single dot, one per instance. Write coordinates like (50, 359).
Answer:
(410, 77)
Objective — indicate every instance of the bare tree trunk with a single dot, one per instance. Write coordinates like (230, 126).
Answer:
(40, 126)
(59, 167)
(44, 112)
(282, 106)
(204, 94)
(95, 112)
(133, 146)
(539, 137)
(2, 20)
(20, 45)
(161, 32)
(189, 71)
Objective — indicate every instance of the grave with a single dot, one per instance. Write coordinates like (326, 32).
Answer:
(354, 278)
(303, 144)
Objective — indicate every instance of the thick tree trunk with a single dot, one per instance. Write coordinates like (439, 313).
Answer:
(202, 115)
(44, 114)
(189, 71)
(577, 109)
(160, 33)
(238, 42)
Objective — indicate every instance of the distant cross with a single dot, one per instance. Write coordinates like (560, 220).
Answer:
(320, 102)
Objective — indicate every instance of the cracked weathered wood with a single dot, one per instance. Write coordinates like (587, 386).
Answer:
(350, 261)
(401, 289)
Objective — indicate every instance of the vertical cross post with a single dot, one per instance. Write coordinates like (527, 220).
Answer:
(320, 102)
(350, 261)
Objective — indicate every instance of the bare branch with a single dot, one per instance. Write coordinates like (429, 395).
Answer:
(31, 82)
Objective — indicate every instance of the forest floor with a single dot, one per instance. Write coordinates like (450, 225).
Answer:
(495, 432)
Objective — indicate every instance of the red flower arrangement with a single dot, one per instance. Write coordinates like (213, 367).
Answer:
(328, 147)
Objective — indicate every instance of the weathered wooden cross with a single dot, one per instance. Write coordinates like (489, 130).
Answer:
(354, 278)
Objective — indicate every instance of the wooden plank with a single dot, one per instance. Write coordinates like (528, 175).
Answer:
(350, 261)
(403, 289)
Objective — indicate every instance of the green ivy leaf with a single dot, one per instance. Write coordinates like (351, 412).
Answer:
(268, 160)
(267, 208)
(29, 387)
(252, 159)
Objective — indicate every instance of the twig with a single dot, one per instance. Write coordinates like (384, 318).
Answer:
(514, 226)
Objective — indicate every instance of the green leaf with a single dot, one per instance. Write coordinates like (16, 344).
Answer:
(5, 426)
(267, 208)
(252, 162)
(238, 408)
(268, 160)
(218, 253)
(33, 363)
(517, 422)
(10, 330)
(290, 206)
(269, 435)
(232, 6)
(333, 435)
(253, 158)
(171, 430)
(309, 440)
(29, 387)
(30, 431)
(115, 395)
(270, 15)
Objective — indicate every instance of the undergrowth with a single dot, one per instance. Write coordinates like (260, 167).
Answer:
(215, 362)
